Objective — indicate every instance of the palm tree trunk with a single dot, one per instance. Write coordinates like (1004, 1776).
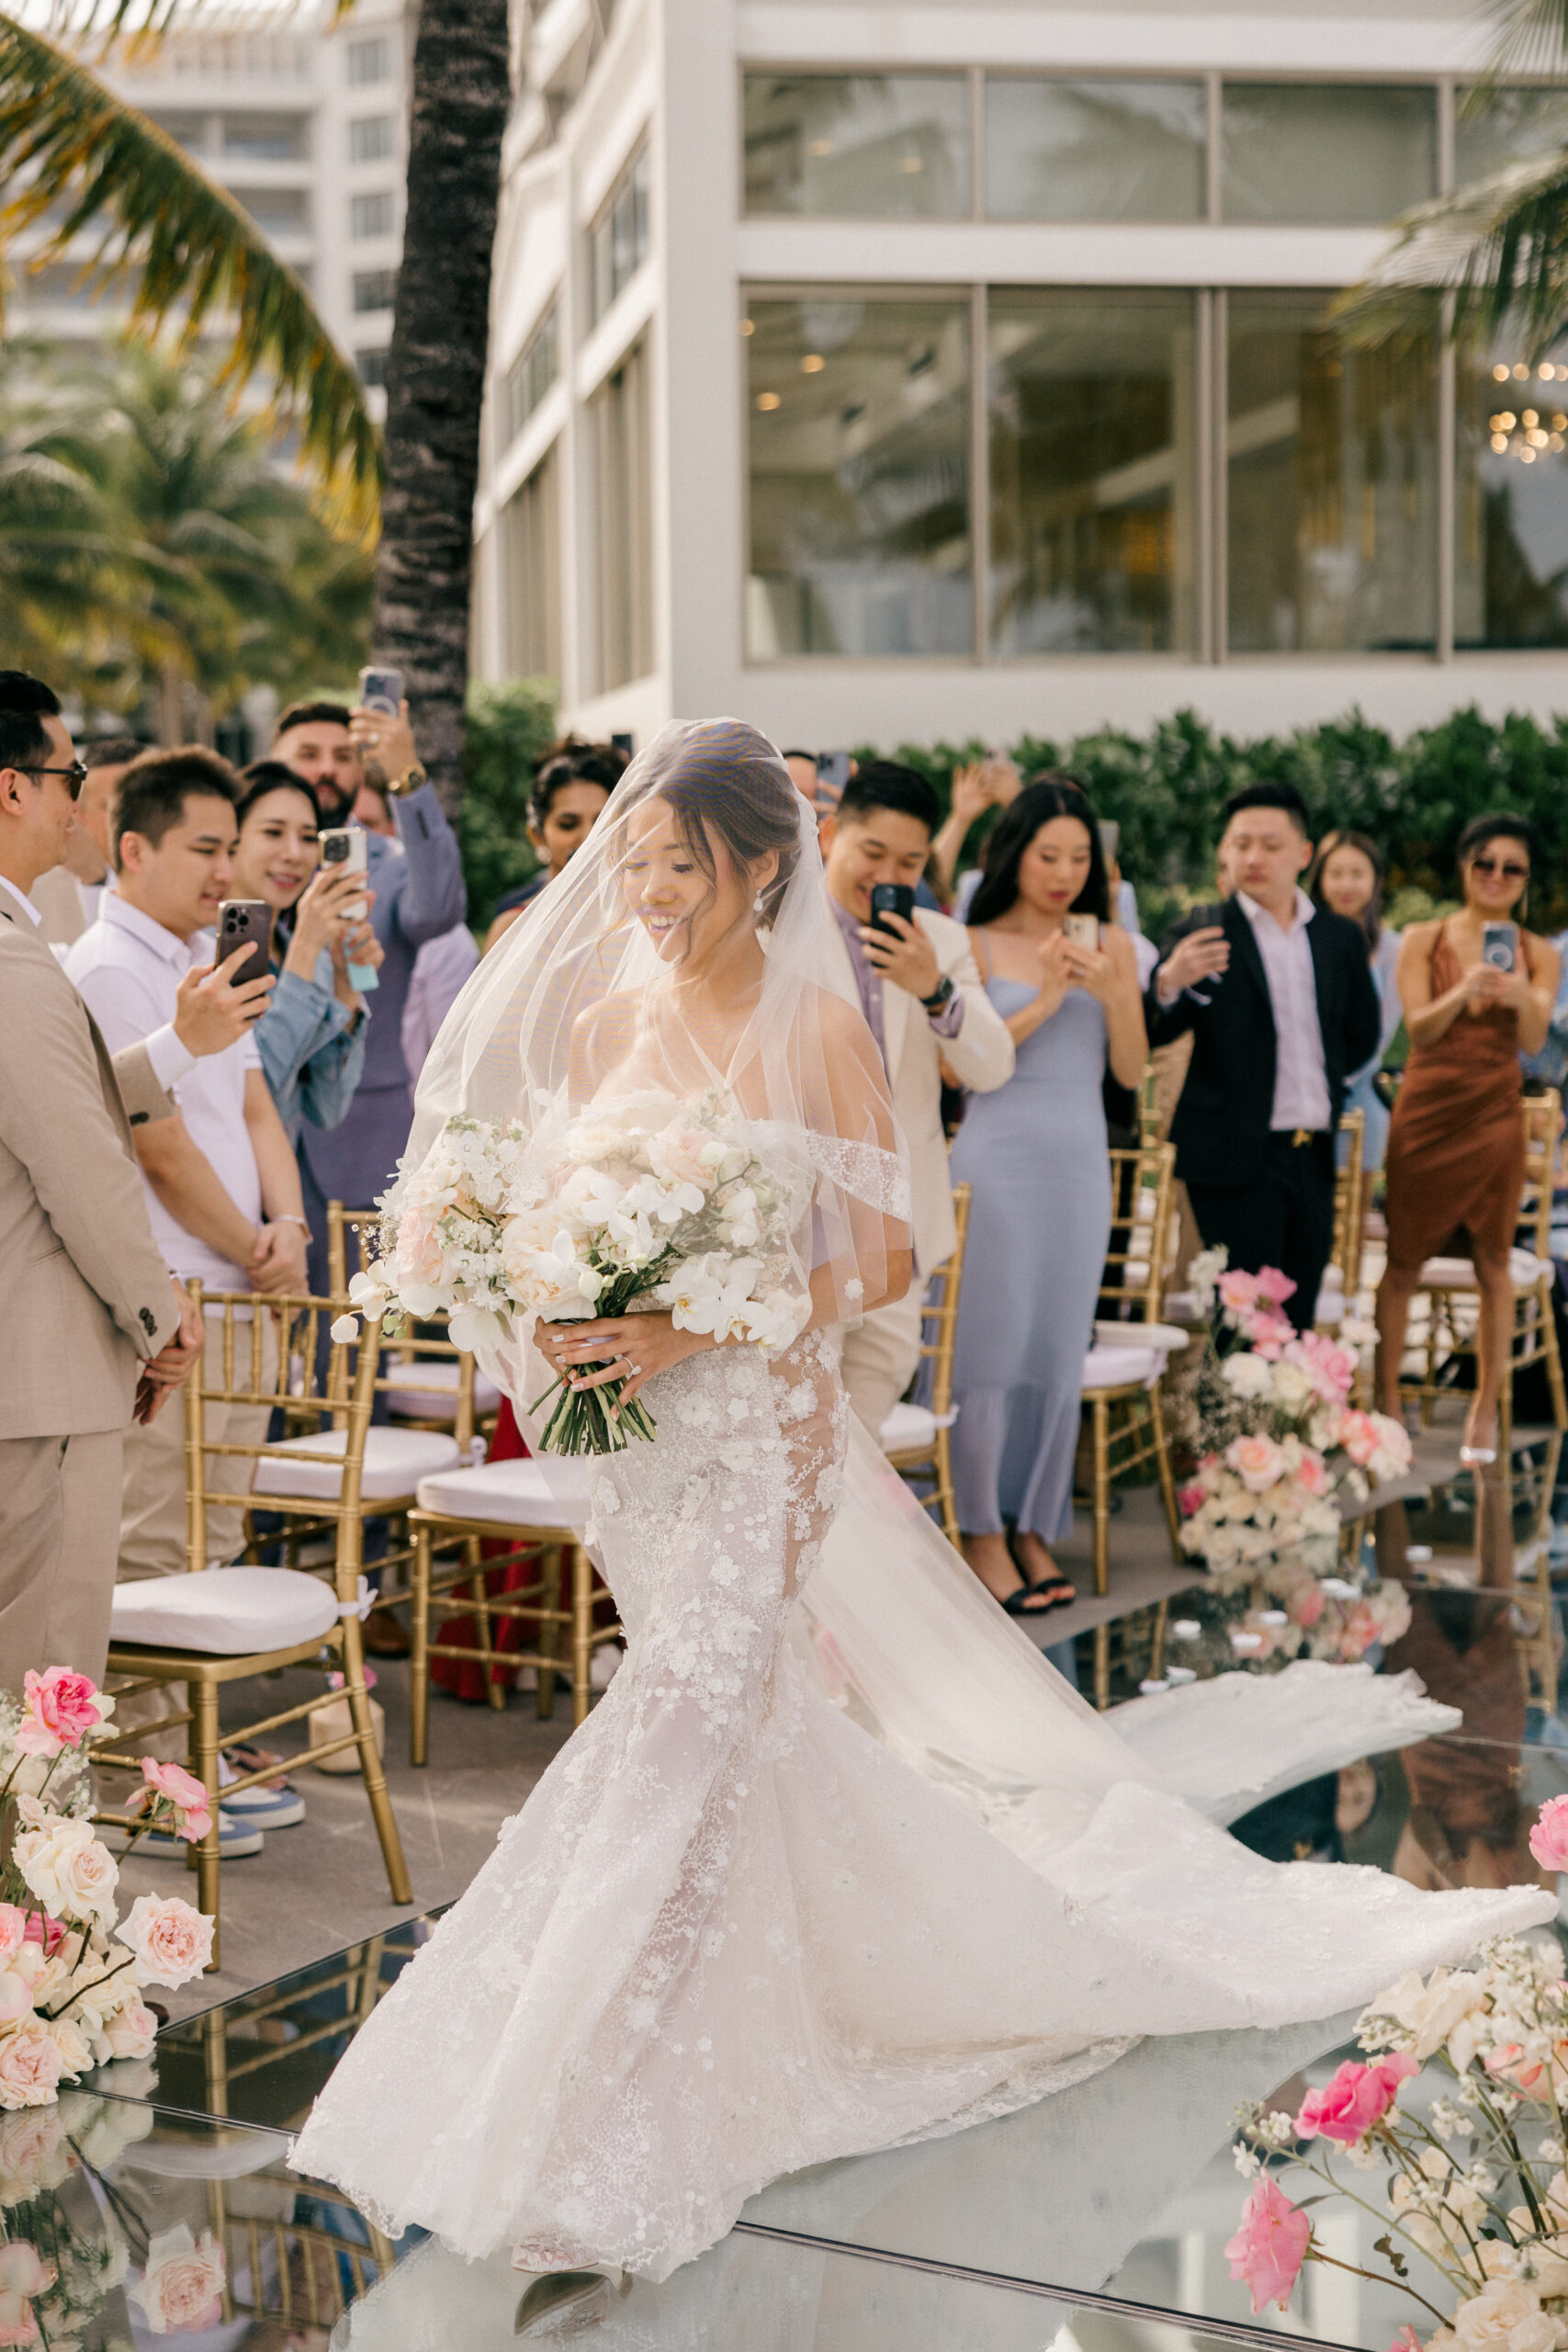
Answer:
(435, 369)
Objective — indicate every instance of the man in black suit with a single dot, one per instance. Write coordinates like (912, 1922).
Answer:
(1281, 1004)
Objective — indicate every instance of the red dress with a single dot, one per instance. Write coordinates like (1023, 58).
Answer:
(1456, 1144)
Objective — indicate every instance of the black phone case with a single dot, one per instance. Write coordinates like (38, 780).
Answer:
(877, 913)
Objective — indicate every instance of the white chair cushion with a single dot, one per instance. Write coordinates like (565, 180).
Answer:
(1167, 1336)
(1119, 1367)
(907, 1426)
(552, 1493)
(427, 1390)
(227, 1612)
(1457, 1273)
(395, 1461)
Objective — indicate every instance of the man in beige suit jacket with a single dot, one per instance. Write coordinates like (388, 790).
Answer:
(926, 1004)
(95, 1331)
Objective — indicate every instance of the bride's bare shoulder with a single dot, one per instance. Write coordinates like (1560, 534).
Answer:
(602, 1032)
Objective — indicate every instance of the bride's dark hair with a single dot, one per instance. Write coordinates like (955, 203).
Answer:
(728, 784)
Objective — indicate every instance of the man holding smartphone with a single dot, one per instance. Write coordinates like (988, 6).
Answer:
(1281, 1004)
(925, 1005)
(415, 872)
(97, 1332)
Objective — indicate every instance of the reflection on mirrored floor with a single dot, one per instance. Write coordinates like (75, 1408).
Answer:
(1124, 2190)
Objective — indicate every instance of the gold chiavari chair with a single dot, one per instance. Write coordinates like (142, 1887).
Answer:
(429, 1381)
(214, 1626)
(1342, 1277)
(1453, 1298)
(918, 1438)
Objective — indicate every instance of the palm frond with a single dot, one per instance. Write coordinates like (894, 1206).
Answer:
(141, 24)
(1532, 38)
(1497, 251)
(69, 143)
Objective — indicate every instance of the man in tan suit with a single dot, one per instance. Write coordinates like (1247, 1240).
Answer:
(925, 1005)
(95, 1334)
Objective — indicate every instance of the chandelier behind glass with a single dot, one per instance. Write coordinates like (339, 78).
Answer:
(1529, 432)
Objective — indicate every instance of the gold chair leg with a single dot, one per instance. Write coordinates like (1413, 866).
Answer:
(1156, 1646)
(203, 1752)
(581, 1629)
(419, 1660)
(1166, 1481)
(1102, 1667)
(549, 1598)
(1100, 1425)
(495, 1692)
(944, 1487)
(370, 1763)
(1553, 1358)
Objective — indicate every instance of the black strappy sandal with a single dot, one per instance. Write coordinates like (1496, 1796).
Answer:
(1055, 1593)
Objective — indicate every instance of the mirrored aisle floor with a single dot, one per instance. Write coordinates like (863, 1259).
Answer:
(1095, 2222)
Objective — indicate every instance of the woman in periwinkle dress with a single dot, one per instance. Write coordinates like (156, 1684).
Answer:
(1035, 1156)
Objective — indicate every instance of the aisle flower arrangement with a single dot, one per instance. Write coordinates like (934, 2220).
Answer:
(71, 1972)
(635, 1199)
(1471, 2192)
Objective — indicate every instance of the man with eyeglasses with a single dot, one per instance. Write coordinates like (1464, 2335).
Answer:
(1281, 1006)
(97, 1333)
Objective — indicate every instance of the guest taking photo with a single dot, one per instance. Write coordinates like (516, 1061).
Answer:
(1347, 878)
(1478, 990)
(1281, 1008)
(1033, 1152)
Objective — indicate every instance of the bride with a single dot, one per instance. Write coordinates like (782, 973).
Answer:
(811, 1881)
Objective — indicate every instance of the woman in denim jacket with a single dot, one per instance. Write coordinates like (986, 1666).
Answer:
(311, 1036)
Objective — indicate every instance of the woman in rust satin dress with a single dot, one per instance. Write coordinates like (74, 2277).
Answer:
(1456, 1152)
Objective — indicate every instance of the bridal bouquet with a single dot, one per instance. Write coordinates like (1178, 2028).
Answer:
(71, 1979)
(1282, 1439)
(1472, 2189)
(636, 1199)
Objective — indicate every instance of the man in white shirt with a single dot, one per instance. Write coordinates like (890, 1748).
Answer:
(222, 1184)
(925, 1005)
(1281, 1004)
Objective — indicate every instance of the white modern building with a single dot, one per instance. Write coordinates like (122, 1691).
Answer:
(306, 126)
(883, 371)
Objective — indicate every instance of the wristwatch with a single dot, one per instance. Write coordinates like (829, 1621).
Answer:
(412, 776)
(939, 995)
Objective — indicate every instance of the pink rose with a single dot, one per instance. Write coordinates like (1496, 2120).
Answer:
(418, 1252)
(1310, 1475)
(17, 2324)
(1274, 1286)
(1406, 2340)
(29, 2067)
(59, 1709)
(181, 2288)
(131, 2031)
(1238, 1290)
(13, 1929)
(172, 1941)
(1257, 1461)
(1549, 1839)
(1190, 1498)
(184, 1792)
(1270, 2248)
(1358, 1436)
(1332, 1368)
(1356, 2097)
(23, 2270)
(1357, 1633)
(1270, 1333)
(16, 1997)
(1307, 1606)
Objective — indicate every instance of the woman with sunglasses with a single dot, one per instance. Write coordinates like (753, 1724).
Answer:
(1477, 992)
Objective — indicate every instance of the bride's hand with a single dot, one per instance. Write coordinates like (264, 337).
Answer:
(637, 1345)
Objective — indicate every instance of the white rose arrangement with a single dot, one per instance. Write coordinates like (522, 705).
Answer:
(638, 1198)
(71, 1985)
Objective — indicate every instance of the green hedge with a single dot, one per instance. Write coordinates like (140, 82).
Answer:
(509, 726)
(1415, 797)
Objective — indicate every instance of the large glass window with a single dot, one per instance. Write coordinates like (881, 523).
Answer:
(619, 438)
(530, 376)
(1511, 514)
(617, 242)
(859, 477)
(530, 526)
(858, 146)
(1511, 125)
(1331, 483)
(1327, 152)
(371, 216)
(1093, 471)
(1095, 151)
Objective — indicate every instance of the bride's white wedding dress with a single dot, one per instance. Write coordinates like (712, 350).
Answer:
(732, 1933)
(838, 1862)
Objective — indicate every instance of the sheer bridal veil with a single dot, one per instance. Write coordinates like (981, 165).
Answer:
(577, 1007)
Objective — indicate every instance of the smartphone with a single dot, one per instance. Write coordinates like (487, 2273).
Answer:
(348, 846)
(381, 690)
(1499, 945)
(832, 775)
(245, 922)
(1082, 930)
(891, 898)
(625, 742)
(1110, 839)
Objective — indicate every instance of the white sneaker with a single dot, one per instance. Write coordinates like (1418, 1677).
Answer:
(262, 1808)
